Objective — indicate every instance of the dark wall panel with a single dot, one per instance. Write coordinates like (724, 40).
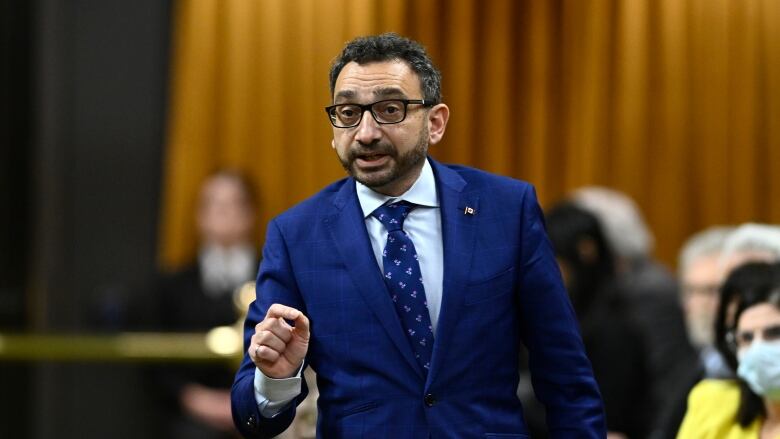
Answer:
(15, 121)
(100, 76)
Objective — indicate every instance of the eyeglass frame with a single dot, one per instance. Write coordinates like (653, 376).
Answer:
(708, 290)
(367, 107)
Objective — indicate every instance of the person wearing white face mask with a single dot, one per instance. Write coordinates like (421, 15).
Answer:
(748, 407)
(759, 365)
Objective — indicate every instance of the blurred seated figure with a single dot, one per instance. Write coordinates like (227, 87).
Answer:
(628, 236)
(613, 343)
(748, 243)
(749, 406)
(200, 297)
(648, 287)
(746, 277)
(700, 277)
(752, 245)
(751, 242)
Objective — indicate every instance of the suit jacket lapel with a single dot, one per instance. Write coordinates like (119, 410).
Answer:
(459, 229)
(348, 230)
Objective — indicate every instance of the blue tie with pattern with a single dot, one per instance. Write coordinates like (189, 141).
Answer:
(404, 280)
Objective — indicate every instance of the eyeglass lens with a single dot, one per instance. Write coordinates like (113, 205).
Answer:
(388, 111)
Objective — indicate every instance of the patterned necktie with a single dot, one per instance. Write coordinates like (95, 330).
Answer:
(404, 280)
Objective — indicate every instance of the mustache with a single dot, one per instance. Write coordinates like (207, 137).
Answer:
(360, 150)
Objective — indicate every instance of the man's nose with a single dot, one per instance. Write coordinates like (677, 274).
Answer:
(368, 131)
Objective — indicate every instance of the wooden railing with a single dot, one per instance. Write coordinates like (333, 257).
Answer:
(220, 344)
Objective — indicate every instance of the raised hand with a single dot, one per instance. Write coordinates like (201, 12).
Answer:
(277, 348)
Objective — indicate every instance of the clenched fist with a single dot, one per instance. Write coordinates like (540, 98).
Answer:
(277, 348)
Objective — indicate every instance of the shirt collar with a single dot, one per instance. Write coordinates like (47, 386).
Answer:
(422, 193)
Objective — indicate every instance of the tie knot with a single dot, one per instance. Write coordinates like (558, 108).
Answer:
(393, 215)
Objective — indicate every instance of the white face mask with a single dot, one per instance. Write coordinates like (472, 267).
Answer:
(759, 366)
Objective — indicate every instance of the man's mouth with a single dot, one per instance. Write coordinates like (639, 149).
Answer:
(371, 159)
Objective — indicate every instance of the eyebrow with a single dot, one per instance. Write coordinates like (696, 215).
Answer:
(385, 92)
(389, 92)
(344, 94)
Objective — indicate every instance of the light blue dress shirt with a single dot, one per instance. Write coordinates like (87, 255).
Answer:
(423, 225)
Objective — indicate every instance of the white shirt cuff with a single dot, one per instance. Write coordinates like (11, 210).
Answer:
(274, 395)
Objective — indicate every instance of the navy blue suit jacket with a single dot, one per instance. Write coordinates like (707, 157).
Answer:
(501, 287)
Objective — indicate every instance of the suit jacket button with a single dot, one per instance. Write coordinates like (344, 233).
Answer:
(430, 400)
(251, 422)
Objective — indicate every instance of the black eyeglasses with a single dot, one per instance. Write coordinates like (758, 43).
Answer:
(709, 290)
(385, 112)
(741, 339)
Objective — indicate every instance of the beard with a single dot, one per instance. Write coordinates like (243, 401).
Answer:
(399, 167)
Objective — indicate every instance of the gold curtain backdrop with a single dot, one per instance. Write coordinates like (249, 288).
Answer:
(675, 102)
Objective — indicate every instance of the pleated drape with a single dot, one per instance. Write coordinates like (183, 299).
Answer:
(675, 102)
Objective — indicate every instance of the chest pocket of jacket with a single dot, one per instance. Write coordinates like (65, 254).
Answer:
(494, 287)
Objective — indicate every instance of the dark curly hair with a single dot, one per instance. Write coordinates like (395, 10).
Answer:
(388, 47)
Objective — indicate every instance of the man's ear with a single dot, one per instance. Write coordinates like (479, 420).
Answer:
(437, 122)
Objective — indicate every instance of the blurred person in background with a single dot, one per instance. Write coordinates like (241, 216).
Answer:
(749, 406)
(751, 242)
(199, 297)
(746, 277)
(700, 277)
(613, 343)
(648, 287)
(628, 236)
(752, 246)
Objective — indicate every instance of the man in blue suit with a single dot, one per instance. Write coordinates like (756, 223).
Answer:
(410, 285)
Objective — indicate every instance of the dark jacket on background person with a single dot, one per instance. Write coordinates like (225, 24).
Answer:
(184, 306)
